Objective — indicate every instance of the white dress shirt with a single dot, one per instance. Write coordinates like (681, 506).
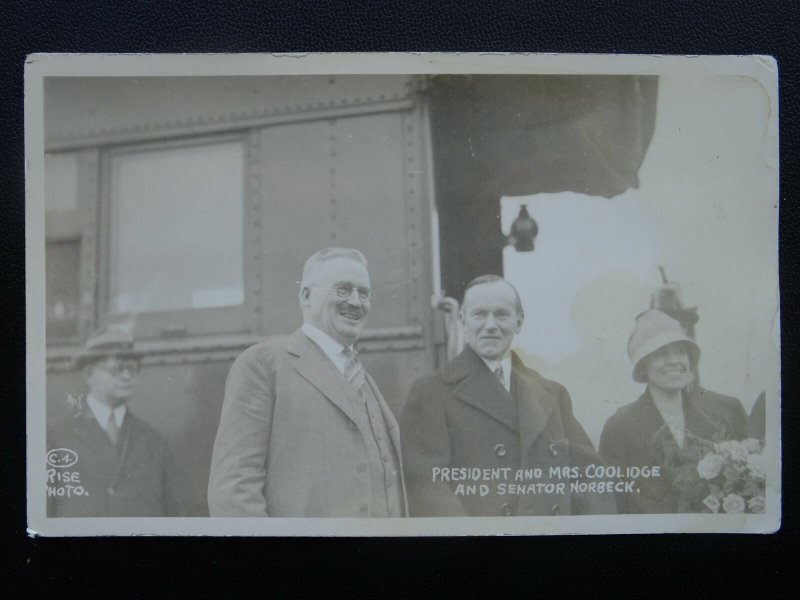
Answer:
(327, 344)
(504, 362)
(103, 413)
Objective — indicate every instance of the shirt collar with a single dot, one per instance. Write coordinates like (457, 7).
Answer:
(505, 362)
(327, 344)
(102, 413)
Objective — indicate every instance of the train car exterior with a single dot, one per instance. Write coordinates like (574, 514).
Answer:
(186, 207)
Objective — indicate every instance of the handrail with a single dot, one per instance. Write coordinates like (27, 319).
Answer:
(454, 333)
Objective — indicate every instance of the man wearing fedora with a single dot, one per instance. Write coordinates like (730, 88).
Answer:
(122, 467)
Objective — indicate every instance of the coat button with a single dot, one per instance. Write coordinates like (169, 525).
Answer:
(553, 450)
(500, 450)
(363, 509)
(111, 491)
(361, 467)
(556, 510)
(353, 425)
(506, 510)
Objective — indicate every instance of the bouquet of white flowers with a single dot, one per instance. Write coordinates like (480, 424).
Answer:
(736, 477)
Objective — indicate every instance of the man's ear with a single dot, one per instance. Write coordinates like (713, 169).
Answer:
(87, 371)
(520, 320)
(305, 294)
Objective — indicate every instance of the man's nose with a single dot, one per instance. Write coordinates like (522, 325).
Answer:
(490, 323)
(353, 298)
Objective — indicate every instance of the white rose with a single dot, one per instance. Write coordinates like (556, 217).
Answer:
(733, 504)
(733, 450)
(755, 463)
(752, 445)
(757, 504)
(711, 503)
(710, 466)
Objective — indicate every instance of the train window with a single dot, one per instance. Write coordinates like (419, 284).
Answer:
(62, 262)
(61, 183)
(175, 235)
(62, 250)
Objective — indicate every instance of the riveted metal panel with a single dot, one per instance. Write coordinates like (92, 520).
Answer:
(101, 110)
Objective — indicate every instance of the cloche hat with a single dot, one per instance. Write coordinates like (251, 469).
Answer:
(655, 329)
(112, 340)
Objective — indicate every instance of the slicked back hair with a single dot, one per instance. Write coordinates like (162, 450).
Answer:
(481, 279)
(326, 254)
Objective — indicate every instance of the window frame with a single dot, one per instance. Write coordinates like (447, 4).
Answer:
(186, 322)
(77, 225)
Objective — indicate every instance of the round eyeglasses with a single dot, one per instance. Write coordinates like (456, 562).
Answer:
(346, 291)
(117, 368)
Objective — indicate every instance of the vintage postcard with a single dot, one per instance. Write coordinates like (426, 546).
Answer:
(402, 294)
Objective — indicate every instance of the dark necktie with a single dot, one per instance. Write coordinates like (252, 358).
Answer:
(112, 429)
(498, 370)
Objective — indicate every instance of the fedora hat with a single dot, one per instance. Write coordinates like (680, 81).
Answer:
(655, 329)
(112, 340)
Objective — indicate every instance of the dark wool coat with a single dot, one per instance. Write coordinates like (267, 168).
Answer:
(637, 435)
(133, 479)
(461, 416)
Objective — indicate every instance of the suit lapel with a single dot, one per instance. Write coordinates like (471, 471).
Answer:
(388, 416)
(535, 404)
(90, 432)
(653, 430)
(482, 390)
(311, 363)
(129, 448)
(697, 422)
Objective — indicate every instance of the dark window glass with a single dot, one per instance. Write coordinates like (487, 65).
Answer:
(62, 261)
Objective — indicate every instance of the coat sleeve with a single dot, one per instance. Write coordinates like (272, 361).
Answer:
(236, 485)
(756, 422)
(172, 501)
(739, 419)
(582, 454)
(614, 451)
(426, 446)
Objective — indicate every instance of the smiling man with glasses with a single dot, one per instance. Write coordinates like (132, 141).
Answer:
(304, 430)
(123, 466)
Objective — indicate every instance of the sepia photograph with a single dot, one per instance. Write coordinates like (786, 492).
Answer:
(402, 294)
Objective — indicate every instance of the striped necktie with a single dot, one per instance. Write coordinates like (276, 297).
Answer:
(498, 370)
(353, 371)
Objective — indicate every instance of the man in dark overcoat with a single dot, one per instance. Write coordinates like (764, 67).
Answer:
(104, 461)
(485, 419)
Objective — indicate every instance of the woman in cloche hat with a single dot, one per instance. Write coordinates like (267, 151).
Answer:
(672, 424)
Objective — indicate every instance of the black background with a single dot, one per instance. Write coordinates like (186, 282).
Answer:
(660, 565)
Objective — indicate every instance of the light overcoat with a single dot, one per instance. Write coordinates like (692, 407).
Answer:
(461, 416)
(291, 442)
